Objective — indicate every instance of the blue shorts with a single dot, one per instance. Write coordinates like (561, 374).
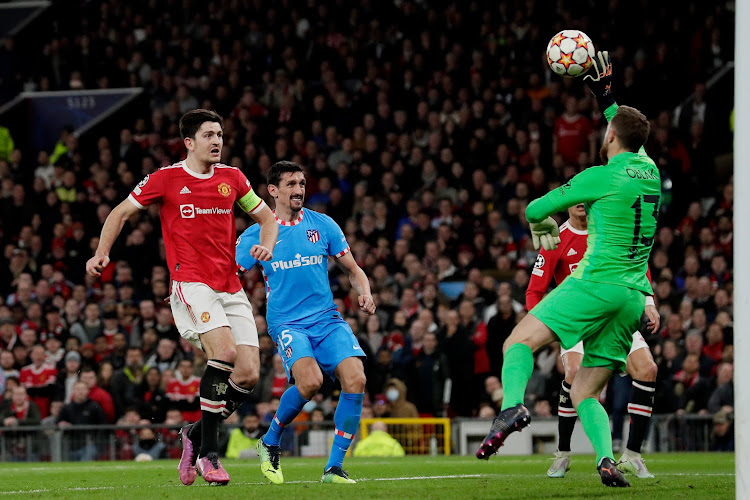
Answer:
(328, 341)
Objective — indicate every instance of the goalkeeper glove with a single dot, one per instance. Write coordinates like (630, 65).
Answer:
(545, 234)
(601, 84)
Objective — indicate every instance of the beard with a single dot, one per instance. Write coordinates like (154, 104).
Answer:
(603, 156)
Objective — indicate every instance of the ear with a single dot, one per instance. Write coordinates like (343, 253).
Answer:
(189, 144)
(273, 190)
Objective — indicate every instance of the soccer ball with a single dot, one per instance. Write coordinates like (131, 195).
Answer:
(570, 53)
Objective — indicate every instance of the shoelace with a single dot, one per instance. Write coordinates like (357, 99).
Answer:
(214, 459)
(273, 454)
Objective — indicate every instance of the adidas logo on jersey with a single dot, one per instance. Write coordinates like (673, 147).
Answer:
(572, 252)
(185, 190)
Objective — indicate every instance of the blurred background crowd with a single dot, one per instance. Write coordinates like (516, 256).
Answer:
(425, 128)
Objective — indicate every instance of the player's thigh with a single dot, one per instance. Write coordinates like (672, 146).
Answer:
(333, 342)
(219, 344)
(610, 346)
(239, 313)
(531, 332)
(572, 312)
(292, 344)
(196, 309)
(307, 376)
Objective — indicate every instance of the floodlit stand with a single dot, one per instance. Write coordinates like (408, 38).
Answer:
(741, 246)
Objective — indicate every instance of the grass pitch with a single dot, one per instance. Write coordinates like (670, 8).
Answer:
(678, 475)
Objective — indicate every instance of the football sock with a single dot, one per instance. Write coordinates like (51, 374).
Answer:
(290, 405)
(346, 420)
(213, 391)
(596, 424)
(236, 395)
(641, 402)
(566, 418)
(518, 365)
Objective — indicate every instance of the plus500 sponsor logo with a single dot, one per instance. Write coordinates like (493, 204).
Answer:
(189, 211)
(298, 262)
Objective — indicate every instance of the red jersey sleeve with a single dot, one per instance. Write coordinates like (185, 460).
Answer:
(541, 276)
(243, 185)
(149, 191)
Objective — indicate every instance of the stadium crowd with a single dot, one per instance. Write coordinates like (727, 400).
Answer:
(425, 128)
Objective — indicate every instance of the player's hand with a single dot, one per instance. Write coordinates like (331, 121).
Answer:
(599, 80)
(96, 263)
(259, 252)
(545, 234)
(654, 319)
(367, 304)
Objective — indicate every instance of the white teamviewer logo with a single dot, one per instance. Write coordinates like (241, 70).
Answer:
(299, 261)
(189, 211)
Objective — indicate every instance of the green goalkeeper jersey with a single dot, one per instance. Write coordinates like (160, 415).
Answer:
(622, 202)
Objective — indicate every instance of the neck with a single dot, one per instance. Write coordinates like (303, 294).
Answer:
(196, 165)
(286, 214)
(579, 223)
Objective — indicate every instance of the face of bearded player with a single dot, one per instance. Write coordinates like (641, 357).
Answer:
(609, 139)
(290, 193)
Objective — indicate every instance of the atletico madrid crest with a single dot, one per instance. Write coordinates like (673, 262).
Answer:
(313, 235)
(288, 352)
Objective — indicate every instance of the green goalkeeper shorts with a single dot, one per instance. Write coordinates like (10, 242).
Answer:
(604, 316)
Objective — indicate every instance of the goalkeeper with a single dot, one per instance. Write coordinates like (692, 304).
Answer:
(602, 301)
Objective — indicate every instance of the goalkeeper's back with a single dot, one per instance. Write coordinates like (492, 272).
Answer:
(622, 200)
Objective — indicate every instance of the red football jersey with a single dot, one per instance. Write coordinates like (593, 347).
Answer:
(572, 137)
(37, 380)
(197, 220)
(179, 392)
(560, 263)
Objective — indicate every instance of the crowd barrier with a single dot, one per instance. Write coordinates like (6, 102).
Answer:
(418, 436)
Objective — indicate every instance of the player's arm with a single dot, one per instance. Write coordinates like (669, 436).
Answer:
(359, 281)
(110, 231)
(600, 84)
(652, 313)
(259, 211)
(587, 186)
(541, 276)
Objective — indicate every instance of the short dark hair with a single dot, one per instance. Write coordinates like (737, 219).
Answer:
(192, 121)
(631, 127)
(279, 168)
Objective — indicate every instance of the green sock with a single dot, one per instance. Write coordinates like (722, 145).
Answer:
(596, 425)
(518, 364)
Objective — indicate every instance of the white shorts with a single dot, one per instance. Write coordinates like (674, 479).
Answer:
(197, 309)
(638, 343)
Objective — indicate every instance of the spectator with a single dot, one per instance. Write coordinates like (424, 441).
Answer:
(39, 379)
(148, 446)
(242, 440)
(116, 356)
(379, 443)
(722, 399)
(125, 382)
(82, 445)
(431, 378)
(17, 412)
(98, 395)
(722, 436)
(167, 357)
(64, 381)
(184, 391)
(155, 402)
(692, 389)
(395, 391)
